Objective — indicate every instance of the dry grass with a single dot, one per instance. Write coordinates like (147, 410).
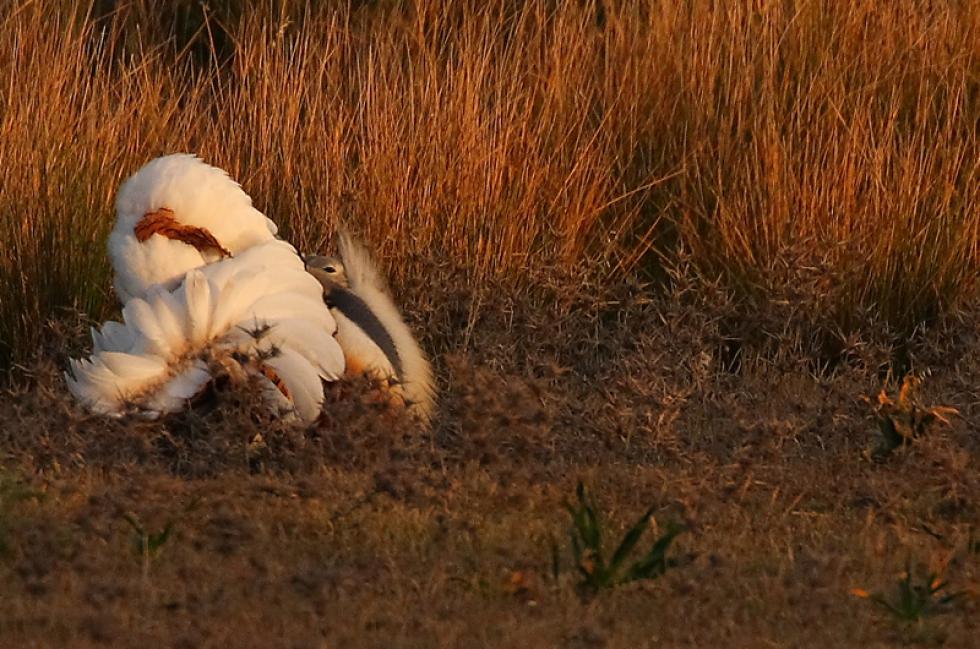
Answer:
(825, 145)
(798, 180)
(367, 533)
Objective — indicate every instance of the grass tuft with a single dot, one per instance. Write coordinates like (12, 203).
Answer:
(823, 155)
(597, 571)
(915, 597)
(148, 544)
(905, 419)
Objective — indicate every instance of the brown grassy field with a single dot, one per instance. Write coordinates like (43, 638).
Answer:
(662, 248)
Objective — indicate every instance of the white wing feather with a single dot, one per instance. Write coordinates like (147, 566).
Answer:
(152, 339)
(196, 294)
(174, 394)
(183, 305)
(314, 343)
(154, 361)
(114, 336)
(302, 381)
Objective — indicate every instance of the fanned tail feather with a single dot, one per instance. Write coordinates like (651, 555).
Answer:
(266, 315)
(417, 381)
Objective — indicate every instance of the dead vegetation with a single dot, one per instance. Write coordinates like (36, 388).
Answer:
(660, 248)
(367, 531)
(786, 149)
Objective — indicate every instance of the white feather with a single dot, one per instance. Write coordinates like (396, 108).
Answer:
(417, 382)
(174, 394)
(238, 295)
(94, 385)
(109, 380)
(208, 315)
(315, 344)
(98, 340)
(133, 368)
(184, 305)
(196, 295)
(114, 336)
(141, 318)
(169, 314)
(199, 195)
(302, 381)
(278, 306)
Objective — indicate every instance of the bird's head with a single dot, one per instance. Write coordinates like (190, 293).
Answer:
(327, 269)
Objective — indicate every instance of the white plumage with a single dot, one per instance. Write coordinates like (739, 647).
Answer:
(375, 339)
(206, 288)
(258, 314)
(199, 196)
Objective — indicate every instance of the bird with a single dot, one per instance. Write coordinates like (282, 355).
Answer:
(177, 213)
(375, 339)
(207, 289)
(258, 316)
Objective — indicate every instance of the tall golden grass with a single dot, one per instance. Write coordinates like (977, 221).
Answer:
(757, 141)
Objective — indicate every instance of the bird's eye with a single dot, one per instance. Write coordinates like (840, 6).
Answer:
(329, 269)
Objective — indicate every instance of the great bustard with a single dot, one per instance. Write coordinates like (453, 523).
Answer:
(206, 288)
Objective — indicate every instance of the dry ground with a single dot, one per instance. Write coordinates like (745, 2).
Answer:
(364, 532)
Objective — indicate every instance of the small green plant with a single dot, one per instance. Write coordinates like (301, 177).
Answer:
(904, 419)
(148, 545)
(596, 571)
(914, 598)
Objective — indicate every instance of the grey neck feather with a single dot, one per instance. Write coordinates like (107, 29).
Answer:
(357, 311)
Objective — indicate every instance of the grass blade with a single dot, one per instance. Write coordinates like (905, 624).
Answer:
(630, 539)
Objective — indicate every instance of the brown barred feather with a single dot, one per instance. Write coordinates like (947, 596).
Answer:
(162, 222)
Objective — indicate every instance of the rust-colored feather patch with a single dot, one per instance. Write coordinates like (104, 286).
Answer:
(162, 222)
(353, 365)
(270, 374)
